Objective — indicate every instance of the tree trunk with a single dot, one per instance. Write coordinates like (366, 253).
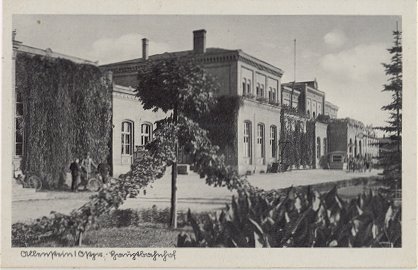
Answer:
(173, 218)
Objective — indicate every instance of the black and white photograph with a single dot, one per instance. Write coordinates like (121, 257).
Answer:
(216, 131)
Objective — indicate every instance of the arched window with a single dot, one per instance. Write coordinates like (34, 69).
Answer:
(309, 114)
(127, 137)
(318, 147)
(271, 94)
(273, 141)
(146, 133)
(313, 114)
(355, 147)
(260, 141)
(247, 139)
(359, 147)
(258, 90)
(244, 86)
(262, 90)
(248, 86)
(350, 147)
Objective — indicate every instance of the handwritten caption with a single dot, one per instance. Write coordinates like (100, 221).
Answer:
(94, 256)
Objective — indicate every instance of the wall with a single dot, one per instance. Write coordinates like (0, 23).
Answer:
(332, 112)
(321, 133)
(314, 103)
(337, 134)
(225, 74)
(257, 112)
(248, 71)
(127, 107)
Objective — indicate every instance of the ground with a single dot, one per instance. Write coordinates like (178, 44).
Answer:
(192, 192)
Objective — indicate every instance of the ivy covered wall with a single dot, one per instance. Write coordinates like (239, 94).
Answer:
(221, 124)
(296, 142)
(67, 112)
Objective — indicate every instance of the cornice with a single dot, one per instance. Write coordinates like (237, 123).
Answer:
(251, 62)
(124, 95)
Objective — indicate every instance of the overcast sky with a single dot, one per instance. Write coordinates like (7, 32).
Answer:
(344, 53)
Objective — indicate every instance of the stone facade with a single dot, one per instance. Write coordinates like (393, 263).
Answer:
(258, 122)
(353, 138)
(321, 143)
(331, 110)
(238, 74)
(131, 122)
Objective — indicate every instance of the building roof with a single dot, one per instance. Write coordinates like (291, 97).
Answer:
(313, 86)
(288, 89)
(212, 55)
(332, 105)
(20, 47)
(168, 55)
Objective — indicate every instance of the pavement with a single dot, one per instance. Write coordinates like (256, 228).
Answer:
(192, 192)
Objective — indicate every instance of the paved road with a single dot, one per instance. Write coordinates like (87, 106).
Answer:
(192, 192)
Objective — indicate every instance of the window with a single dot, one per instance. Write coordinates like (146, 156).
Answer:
(318, 147)
(258, 89)
(313, 114)
(273, 141)
(350, 147)
(127, 132)
(309, 114)
(355, 147)
(325, 146)
(359, 147)
(244, 85)
(337, 158)
(260, 141)
(273, 94)
(248, 86)
(145, 133)
(247, 139)
(262, 90)
(19, 125)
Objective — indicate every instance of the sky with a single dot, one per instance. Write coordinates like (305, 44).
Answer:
(343, 53)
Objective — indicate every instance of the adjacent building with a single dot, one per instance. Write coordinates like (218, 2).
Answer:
(19, 141)
(349, 138)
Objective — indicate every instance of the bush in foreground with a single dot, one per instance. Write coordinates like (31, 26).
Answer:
(299, 219)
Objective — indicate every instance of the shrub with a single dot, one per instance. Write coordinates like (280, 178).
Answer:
(298, 219)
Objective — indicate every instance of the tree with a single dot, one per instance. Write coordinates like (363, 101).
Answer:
(392, 152)
(185, 89)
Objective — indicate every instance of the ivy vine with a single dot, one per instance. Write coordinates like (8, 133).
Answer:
(67, 112)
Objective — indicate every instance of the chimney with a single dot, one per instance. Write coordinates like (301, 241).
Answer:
(145, 48)
(199, 41)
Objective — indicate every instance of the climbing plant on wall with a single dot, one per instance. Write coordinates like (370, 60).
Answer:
(67, 112)
(295, 143)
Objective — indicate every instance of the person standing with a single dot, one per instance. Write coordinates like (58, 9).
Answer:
(87, 165)
(75, 174)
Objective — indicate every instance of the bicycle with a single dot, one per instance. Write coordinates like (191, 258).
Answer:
(28, 181)
(96, 183)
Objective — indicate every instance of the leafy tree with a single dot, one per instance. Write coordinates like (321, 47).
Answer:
(186, 90)
(391, 154)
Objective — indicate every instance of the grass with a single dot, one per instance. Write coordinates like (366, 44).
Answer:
(142, 235)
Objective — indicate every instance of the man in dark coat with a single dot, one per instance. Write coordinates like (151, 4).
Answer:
(75, 174)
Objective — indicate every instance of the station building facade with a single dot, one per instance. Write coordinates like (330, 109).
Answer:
(238, 74)
(258, 122)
